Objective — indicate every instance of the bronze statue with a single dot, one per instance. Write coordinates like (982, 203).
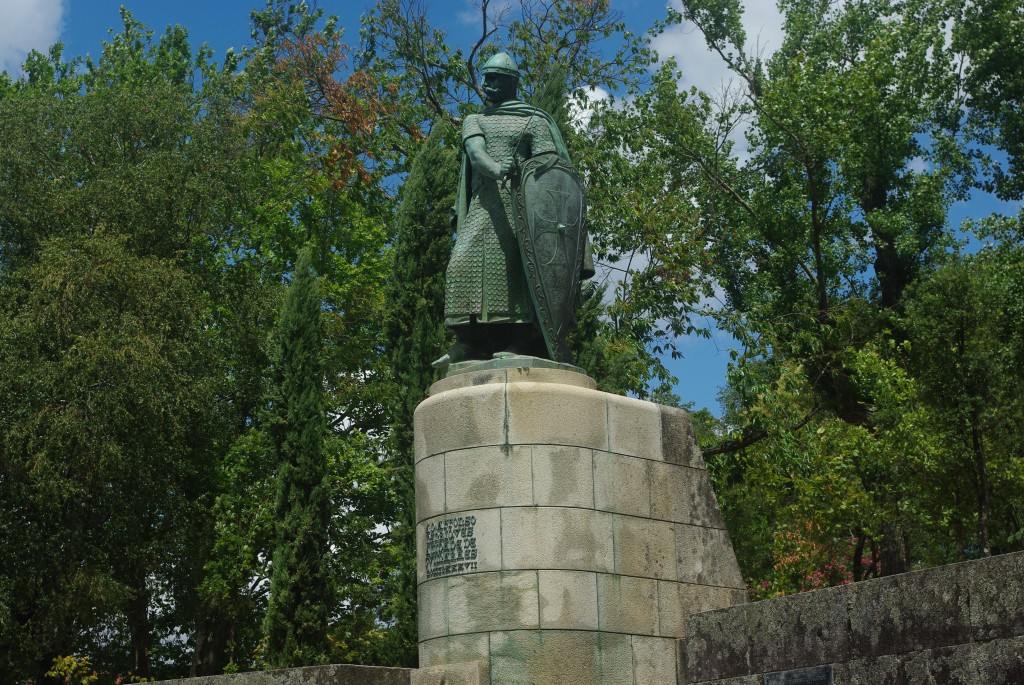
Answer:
(513, 278)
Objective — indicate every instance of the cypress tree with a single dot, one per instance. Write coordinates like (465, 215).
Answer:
(300, 589)
(416, 336)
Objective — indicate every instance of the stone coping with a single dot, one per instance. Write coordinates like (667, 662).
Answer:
(512, 370)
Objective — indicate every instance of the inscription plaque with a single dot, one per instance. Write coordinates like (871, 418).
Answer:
(451, 547)
(819, 675)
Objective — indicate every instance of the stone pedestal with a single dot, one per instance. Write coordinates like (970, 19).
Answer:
(563, 534)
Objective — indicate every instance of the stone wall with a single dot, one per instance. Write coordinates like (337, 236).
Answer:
(951, 625)
(335, 674)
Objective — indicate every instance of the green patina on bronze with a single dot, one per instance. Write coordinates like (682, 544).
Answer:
(513, 277)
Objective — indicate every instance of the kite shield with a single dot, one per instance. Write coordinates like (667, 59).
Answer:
(550, 206)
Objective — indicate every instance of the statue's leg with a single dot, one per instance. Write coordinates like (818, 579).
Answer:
(467, 345)
(521, 339)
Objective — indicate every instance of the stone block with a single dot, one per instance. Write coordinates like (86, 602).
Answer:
(705, 556)
(454, 649)
(459, 419)
(568, 600)
(506, 600)
(622, 484)
(430, 487)
(654, 660)
(634, 427)
(555, 376)
(676, 601)
(883, 670)
(717, 645)
(468, 380)
(670, 487)
(550, 414)
(486, 534)
(563, 476)
(627, 605)
(331, 674)
(909, 612)
(432, 608)
(472, 673)
(996, 590)
(556, 538)
(644, 547)
(678, 443)
(799, 631)
(487, 477)
(998, 661)
(557, 657)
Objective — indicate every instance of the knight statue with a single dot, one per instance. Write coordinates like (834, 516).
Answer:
(512, 282)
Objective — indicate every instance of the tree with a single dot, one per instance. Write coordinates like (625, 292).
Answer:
(107, 443)
(416, 336)
(300, 590)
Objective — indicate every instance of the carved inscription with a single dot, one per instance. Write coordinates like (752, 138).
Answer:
(451, 546)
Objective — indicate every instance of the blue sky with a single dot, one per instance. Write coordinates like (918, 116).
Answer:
(82, 25)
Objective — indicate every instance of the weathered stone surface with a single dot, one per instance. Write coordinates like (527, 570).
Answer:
(799, 631)
(683, 495)
(556, 657)
(334, 674)
(644, 547)
(563, 476)
(634, 427)
(556, 538)
(430, 487)
(814, 675)
(432, 608)
(622, 484)
(468, 380)
(459, 419)
(909, 612)
(473, 673)
(453, 649)
(883, 670)
(678, 444)
(705, 556)
(998, 661)
(548, 414)
(676, 601)
(506, 600)
(487, 477)
(997, 597)
(654, 660)
(568, 599)
(717, 645)
(932, 627)
(627, 605)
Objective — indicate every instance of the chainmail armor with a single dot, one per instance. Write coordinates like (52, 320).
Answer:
(485, 276)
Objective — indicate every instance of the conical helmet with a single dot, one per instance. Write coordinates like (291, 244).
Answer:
(501, 64)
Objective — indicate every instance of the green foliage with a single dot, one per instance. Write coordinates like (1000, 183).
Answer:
(415, 336)
(300, 590)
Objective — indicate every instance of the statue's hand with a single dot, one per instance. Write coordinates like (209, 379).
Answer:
(504, 170)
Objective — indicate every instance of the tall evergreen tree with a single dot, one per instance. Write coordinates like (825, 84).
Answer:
(416, 336)
(300, 589)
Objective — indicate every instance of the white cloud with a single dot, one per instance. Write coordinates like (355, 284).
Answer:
(580, 111)
(27, 25)
(705, 69)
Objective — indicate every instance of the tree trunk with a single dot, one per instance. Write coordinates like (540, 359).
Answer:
(213, 633)
(137, 614)
(894, 550)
